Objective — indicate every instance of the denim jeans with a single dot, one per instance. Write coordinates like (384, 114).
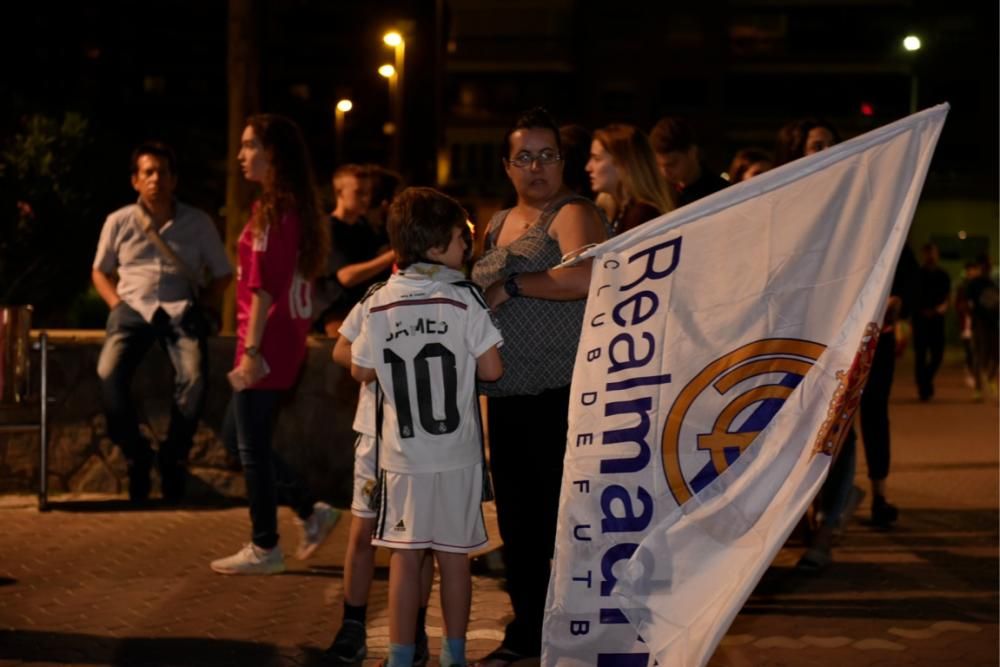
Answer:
(128, 339)
(247, 431)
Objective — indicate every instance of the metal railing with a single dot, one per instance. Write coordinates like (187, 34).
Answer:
(15, 386)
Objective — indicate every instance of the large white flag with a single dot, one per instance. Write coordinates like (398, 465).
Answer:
(724, 349)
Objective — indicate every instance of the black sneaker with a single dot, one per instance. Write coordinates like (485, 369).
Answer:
(173, 481)
(884, 514)
(489, 564)
(422, 653)
(819, 555)
(349, 645)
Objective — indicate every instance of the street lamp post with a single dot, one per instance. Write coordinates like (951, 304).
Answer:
(912, 44)
(341, 108)
(392, 128)
(398, 44)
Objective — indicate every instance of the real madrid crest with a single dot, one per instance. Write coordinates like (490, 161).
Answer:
(744, 390)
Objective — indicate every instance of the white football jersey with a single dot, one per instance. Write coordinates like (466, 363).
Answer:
(422, 333)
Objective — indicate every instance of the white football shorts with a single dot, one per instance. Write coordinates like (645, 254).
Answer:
(440, 511)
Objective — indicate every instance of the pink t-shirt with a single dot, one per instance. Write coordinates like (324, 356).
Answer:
(268, 263)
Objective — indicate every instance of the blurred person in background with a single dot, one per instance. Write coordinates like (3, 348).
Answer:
(385, 185)
(680, 161)
(575, 141)
(360, 256)
(963, 314)
(802, 137)
(932, 297)
(150, 260)
(622, 166)
(747, 163)
(984, 304)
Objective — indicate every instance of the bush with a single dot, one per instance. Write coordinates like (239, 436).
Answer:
(46, 215)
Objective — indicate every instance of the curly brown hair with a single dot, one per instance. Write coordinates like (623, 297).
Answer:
(294, 189)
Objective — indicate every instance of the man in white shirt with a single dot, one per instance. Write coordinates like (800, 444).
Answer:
(151, 299)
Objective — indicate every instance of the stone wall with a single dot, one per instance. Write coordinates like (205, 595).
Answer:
(313, 430)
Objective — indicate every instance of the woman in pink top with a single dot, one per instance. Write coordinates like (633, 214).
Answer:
(281, 250)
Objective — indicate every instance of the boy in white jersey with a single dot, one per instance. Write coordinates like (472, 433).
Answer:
(426, 335)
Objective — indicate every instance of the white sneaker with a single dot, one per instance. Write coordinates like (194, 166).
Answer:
(316, 529)
(251, 559)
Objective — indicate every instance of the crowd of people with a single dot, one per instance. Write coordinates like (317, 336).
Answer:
(387, 273)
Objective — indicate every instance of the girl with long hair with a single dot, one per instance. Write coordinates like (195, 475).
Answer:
(281, 250)
(623, 167)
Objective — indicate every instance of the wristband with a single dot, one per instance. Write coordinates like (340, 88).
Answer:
(251, 351)
(510, 286)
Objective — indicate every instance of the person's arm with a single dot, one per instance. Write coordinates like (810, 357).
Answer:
(362, 374)
(574, 227)
(106, 262)
(942, 307)
(106, 286)
(489, 366)
(358, 347)
(961, 302)
(342, 352)
(355, 274)
(260, 303)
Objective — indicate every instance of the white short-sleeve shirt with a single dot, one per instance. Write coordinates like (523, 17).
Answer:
(146, 279)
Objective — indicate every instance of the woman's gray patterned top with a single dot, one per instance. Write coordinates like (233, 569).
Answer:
(540, 336)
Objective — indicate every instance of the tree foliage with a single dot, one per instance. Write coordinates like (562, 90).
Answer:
(46, 214)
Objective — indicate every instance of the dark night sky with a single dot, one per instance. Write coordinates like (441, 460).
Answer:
(740, 69)
(158, 69)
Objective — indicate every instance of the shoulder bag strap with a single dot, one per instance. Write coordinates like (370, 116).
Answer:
(145, 224)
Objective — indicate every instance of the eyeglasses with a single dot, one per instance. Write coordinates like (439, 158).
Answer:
(525, 159)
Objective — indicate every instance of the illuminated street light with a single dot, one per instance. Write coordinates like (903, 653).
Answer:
(394, 38)
(912, 44)
(341, 108)
(391, 127)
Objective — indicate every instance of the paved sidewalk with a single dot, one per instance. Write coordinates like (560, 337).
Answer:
(95, 583)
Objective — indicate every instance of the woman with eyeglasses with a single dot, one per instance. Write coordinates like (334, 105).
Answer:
(622, 166)
(539, 308)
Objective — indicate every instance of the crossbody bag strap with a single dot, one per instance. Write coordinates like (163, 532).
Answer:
(145, 224)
